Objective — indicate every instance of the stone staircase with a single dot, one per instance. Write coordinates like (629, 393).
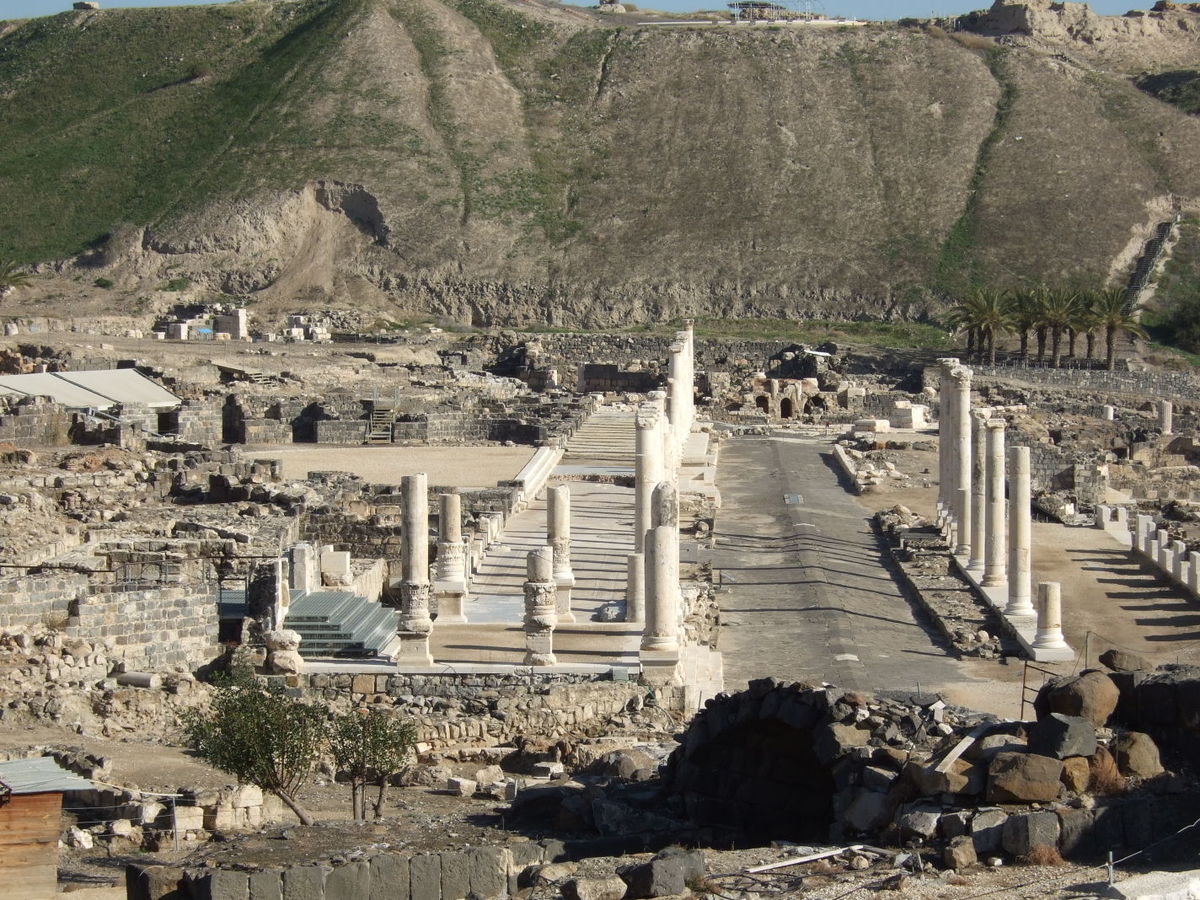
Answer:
(339, 623)
(1145, 265)
(606, 437)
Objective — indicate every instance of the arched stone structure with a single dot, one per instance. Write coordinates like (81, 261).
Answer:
(786, 408)
(758, 763)
(763, 403)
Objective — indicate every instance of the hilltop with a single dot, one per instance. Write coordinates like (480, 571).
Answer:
(501, 161)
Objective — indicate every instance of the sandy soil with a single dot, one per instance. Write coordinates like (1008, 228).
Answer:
(463, 467)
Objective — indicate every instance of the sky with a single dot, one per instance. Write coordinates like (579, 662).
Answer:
(869, 9)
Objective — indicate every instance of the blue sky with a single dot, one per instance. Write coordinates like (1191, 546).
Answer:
(871, 9)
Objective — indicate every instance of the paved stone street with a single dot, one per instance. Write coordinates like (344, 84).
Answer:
(806, 595)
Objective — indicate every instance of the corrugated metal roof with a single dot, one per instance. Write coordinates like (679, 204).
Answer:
(126, 386)
(97, 389)
(40, 776)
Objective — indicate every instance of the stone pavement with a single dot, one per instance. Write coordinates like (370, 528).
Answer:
(806, 595)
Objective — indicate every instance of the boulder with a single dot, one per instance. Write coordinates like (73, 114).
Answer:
(1024, 831)
(987, 830)
(1076, 774)
(1062, 736)
(1124, 661)
(919, 821)
(461, 787)
(960, 853)
(610, 887)
(1091, 694)
(835, 739)
(1137, 755)
(282, 639)
(1023, 778)
(632, 765)
(669, 872)
(285, 662)
(867, 811)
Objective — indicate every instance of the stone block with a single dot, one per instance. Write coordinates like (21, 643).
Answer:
(955, 824)
(833, 740)
(456, 875)
(867, 811)
(610, 887)
(304, 883)
(461, 787)
(349, 882)
(987, 830)
(246, 795)
(918, 821)
(489, 871)
(389, 877)
(875, 778)
(1024, 831)
(266, 885)
(1062, 736)
(363, 684)
(425, 877)
(1023, 778)
(960, 853)
(217, 884)
(1075, 832)
(668, 873)
(1076, 774)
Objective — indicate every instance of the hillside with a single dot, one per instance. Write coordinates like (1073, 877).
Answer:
(518, 161)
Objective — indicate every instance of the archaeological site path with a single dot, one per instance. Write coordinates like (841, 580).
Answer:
(806, 595)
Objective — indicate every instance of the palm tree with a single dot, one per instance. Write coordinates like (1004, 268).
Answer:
(1060, 311)
(1112, 314)
(982, 314)
(12, 277)
(1022, 316)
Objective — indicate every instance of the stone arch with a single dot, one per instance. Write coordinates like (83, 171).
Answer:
(763, 403)
(787, 408)
(753, 763)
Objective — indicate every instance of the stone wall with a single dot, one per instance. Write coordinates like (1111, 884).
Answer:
(489, 708)
(1146, 385)
(152, 629)
(37, 423)
(482, 872)
(30, 600)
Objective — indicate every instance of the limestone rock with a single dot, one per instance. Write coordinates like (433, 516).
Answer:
(835, 739)
(611, 887)
(1062, 736)
(461, 787)
(282, 639)
(1023, 778)
(1091, 695)
(921, 821)
(285, 662)
(1137, 755)
(1076, 774)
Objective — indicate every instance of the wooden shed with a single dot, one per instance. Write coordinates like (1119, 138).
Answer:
(30, 821)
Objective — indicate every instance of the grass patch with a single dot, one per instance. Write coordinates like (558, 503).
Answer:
(958, 270)
(1180, 88)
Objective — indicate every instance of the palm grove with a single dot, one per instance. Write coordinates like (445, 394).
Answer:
(1055, 319)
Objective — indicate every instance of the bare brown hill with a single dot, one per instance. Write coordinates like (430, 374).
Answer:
(511, 161)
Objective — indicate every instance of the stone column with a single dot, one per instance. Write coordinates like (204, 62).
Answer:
(662, 620)
(689, 377)
(676, 374)
(1020, 536)
(1049, 634)
(541, 608)
(1110, 413)
(648, 470)
(635, 591)
(961, 448)
(306, 568)
(978, 490)
(1166, 416)
(450, 588)
(666, 514)
(993, 560)
(666, 436)
(945, 416)
(415, 624)
(558, 522)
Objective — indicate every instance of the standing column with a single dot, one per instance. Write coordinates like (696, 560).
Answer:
(648, 470)
(1049, 635)
(635, 591)
(1020, 535)
(541, 608)
(415, 623)
(677, 374)
(450, 588)
(961, 447)
(689, 377)
(978, 490)
(993, 560)
(1166, 416)
(558, 516)
(666, 514)
(666, 435)
(661, 634)
(945, 364)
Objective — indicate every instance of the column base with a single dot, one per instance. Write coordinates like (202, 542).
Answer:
(450, 597)
(660, 667)
(539, 659)
(564, 601)
(414, 649)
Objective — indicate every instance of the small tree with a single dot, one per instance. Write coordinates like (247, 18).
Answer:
(370, 746)
(12, 276)
(257, 733)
